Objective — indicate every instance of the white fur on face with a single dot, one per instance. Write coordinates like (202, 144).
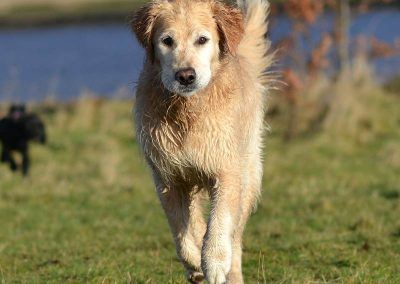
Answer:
(186, 53)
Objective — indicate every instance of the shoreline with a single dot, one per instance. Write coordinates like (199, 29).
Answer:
(25, 16)
(104, 12)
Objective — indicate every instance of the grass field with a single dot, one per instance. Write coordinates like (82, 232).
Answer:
(330, 209)
(44, 13)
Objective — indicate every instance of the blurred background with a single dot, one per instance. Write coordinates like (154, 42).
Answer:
(88, 211)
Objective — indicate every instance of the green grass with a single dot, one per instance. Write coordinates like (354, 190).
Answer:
(329, 212)
(53, 14)
(393, 85)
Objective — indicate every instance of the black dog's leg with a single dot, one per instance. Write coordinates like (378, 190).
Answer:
(6, 157)
(13, 164)
(3, 155)
(25, 162)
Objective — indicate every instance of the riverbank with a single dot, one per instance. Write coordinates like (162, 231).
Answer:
(23, 13)
(55, 13)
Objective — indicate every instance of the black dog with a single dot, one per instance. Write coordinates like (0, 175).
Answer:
(16, 130)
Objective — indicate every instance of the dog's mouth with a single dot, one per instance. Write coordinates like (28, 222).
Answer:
(187, 91)
(181, 90)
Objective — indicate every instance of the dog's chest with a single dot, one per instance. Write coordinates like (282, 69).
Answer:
(183, 145)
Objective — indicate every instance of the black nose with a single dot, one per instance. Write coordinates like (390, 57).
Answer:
(186, 76)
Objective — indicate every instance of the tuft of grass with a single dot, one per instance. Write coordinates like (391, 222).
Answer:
(329, 211)
(392, 86)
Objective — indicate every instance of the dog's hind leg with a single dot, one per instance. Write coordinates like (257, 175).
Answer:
(197, 229)
(13, 164)
(25, 162)
(183, 210)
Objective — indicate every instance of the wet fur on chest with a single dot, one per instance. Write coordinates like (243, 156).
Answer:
(187, 138)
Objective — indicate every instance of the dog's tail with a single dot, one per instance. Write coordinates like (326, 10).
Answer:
(254, 45)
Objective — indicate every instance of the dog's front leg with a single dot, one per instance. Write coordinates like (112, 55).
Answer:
(217, 247)
(183, 210)
(6, 157)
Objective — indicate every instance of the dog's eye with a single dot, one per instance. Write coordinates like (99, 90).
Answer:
(202, 40)
(168, 41)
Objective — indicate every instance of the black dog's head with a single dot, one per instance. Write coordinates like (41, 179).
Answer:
(16, 111)
(34, 127)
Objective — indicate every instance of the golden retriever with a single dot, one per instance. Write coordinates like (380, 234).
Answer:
(199, 120)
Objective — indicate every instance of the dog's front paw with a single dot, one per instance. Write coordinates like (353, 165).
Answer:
(216, 273)
(195, 277)
(216, 264)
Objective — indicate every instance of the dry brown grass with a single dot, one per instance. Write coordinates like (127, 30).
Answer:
(349, 106)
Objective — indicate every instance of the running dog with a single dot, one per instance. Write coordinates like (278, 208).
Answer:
(17, 129)
(199, 112)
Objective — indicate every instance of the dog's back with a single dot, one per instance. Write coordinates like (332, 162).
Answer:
(34, 128)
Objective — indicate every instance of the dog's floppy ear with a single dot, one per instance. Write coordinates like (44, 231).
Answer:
(142, 24)
(230, 27)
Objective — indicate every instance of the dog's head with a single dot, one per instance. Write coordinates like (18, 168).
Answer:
(187, 39)
(34, 128)
(16, 111)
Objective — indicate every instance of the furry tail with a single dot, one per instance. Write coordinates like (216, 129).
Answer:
(254, 45)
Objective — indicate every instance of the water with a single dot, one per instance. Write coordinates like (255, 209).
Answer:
(63, 61)
(106, 59)
(380, 24)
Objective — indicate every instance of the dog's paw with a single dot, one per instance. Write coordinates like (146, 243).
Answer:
(216, 273)
(216, 264)
(195, 277)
